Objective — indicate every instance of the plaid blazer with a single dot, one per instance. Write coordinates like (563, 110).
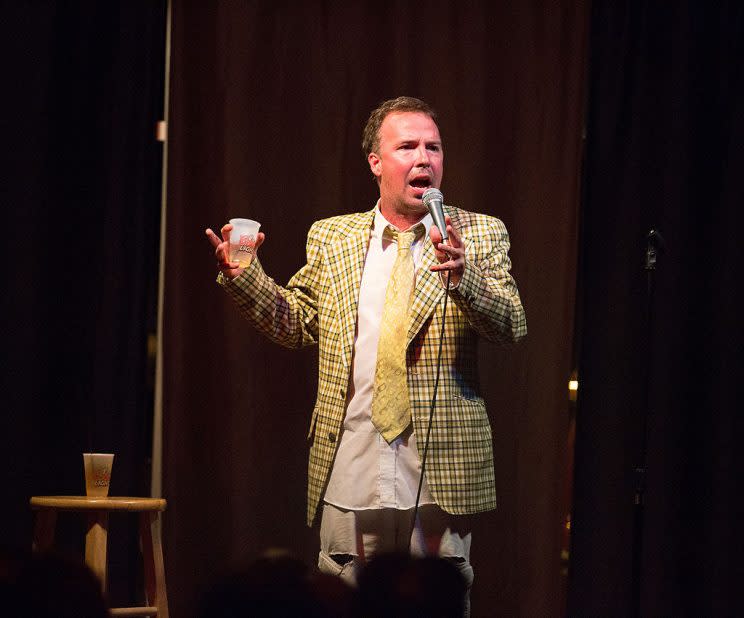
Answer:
(319, 305)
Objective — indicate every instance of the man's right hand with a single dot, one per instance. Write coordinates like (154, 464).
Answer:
(222, 250)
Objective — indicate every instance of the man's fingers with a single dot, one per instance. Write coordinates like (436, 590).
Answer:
(444, 266)
(452, 250)
(213, 238)
(448, 265)
(220, 250)
(451, 255)
(454, 237)
(435, 235)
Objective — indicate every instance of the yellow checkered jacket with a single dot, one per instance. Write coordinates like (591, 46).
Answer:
(319, 306)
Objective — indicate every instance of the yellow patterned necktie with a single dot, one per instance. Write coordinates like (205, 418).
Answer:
(391, 408)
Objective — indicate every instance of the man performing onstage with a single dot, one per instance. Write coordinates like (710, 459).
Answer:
(371, 297)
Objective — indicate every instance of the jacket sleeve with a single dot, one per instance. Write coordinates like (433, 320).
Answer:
(286, 315)
(487, 294)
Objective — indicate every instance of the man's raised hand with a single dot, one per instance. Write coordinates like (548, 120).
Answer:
(222, 250)
(452, 256)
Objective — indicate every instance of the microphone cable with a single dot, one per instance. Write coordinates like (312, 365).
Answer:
(431, 412)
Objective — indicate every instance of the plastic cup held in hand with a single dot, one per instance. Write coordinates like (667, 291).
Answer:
(243, 241)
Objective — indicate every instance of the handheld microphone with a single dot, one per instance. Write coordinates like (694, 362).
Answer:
(433, 200)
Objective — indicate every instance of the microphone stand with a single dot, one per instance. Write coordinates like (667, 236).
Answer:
(431, 412)
(654, 247)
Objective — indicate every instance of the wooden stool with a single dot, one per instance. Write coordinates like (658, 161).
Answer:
(98, 510)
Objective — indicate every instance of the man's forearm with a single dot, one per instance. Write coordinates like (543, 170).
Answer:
(287, 316)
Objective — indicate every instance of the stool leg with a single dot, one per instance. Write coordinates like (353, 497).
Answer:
(46, 521)
(95, 545)
(152, 552)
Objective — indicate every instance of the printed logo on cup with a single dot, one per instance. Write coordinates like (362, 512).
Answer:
(247, 241)
(101, 476)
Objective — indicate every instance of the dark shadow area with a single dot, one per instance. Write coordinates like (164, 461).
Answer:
(664, 151)
(48, 586)
(390, 586)
(81, 204)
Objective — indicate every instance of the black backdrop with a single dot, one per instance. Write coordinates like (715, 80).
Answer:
(82, 90)
(665, 149)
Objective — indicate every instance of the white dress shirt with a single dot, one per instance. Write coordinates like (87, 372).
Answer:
(369, 473)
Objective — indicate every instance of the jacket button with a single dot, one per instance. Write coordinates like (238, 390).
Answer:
(331, 437)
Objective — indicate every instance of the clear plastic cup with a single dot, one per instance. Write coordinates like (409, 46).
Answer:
(243, 241)
(97, 473)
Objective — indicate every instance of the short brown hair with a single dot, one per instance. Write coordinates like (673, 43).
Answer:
(371, 133)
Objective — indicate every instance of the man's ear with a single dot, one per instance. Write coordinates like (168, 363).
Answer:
(375, 164)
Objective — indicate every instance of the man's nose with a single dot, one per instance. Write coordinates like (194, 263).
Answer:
(422, 157)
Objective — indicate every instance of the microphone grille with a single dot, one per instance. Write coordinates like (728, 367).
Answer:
(432, 195)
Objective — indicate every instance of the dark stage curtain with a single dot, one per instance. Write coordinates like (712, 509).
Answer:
(83, 84)
(665, 135)
(268, 101)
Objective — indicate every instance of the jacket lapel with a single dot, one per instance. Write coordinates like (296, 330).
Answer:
(345, 260)
(429, 289)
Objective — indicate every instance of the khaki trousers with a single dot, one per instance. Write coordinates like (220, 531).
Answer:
(353, 537)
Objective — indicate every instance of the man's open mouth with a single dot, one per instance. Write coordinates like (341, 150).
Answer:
(421, 182)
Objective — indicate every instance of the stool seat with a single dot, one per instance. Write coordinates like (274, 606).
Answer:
(97, 510)
(103, 503)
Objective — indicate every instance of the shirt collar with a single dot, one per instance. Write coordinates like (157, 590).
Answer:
(380, 223)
